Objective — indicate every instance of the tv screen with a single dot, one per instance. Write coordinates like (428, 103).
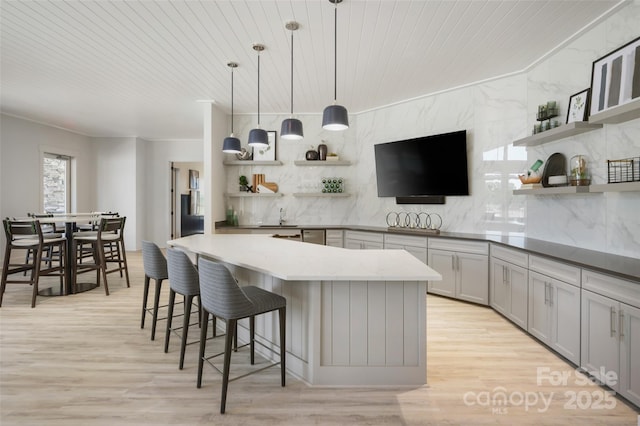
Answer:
(429, 165)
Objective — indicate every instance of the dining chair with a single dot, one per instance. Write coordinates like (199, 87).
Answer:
(27, 235)
(222, 297)
(110, 231)
(155, 267)
(183, 280)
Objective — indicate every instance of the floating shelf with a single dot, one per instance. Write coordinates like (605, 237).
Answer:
(251, 163)
(564, 131)
(616, 187)
(619, 114)
(322, 163)
(322, 194)
(553, 190)
(252, 194)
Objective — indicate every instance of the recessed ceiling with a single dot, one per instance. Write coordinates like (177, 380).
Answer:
(137, 68)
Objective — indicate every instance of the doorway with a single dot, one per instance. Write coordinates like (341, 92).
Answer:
(187, 199)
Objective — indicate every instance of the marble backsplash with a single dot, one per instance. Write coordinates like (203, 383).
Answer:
(494, 113)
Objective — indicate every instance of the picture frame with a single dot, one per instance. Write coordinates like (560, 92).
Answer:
(268, 153)
(194, 179)
(578, 106)
(615, 78)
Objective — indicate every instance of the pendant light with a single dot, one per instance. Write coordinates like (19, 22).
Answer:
(291, 127)
(231, 144)
(335, 116)
(258, 137)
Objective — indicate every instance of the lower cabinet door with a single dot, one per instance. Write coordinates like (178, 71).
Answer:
(564, 303)
(600, 347)
(443, 262)
(498, 291)
(539, 315)
(518, 284)
(473, 278)
(629, 326)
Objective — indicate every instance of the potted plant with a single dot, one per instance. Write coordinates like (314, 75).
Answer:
(242, 180)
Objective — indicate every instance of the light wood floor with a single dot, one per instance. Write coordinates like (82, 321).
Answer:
(83, 360)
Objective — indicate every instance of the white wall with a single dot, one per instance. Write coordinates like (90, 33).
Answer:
(21, 145)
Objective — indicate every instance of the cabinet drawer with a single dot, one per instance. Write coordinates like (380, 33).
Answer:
(515, 257)
(405, 240)
(615, 288)
(475, 247)
(561, 271)
(364, 236)
(333, 234)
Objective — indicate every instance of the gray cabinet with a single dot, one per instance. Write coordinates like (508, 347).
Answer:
(359, 240)
(611, 333)
(508, 292)
(417, 246)
(334, 238)
(464, 266)
(554, 306)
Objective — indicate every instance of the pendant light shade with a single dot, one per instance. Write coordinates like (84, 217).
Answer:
(291, 127)
(335, 117)
(231, 144)
(258, 137)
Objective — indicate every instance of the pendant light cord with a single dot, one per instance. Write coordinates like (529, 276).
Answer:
(232, 100)
(258, 89)
(292, 73)
(335, 53)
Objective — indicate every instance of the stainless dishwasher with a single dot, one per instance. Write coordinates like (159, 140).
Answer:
(314, 236)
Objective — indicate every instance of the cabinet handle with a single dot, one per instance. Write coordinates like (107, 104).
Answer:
(506, 273)
(504, 279)
(546, 294)
(453, 262)
(621, 317)
(613, 320)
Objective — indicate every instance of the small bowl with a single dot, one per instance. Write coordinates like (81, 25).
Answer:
(530, 179)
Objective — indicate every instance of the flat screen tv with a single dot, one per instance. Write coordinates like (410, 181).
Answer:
(429, 165)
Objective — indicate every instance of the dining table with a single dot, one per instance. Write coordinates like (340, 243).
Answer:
(71, 221)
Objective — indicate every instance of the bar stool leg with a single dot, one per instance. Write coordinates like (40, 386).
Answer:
(252, 324)
(203, 343)
(156, 303)
(145, 297)
(231, 326)
(172, 300)
(283, 349)
(185, 328)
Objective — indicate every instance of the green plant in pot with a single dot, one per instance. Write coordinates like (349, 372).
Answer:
(242, 180)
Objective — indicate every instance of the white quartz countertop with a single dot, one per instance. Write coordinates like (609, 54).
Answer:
(297, 261)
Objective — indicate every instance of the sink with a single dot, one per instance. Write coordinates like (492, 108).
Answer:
(277, 226)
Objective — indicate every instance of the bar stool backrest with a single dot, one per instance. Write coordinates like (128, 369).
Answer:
(20, 229)
(153, 261)
(113, 225)
(183, 275)
(220, 294)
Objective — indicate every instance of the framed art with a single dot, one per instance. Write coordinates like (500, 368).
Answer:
(615, 78)
(578, 106)
(267, 153)
(194, 179)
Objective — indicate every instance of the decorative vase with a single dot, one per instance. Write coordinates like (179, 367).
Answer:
(311, 155)
(322, 152)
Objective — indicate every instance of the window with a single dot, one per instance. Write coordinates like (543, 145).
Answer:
(56, 183)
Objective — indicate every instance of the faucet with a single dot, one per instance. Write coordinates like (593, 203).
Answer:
(283, 213)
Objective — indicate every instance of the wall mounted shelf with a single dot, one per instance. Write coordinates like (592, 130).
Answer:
(251, 194)
(562, 190)
(616, 187)
(322, 194)
(564, 131)
(251, 163)
(322, 163)
(619, 114)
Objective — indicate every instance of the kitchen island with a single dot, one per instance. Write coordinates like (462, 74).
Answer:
(354, 318)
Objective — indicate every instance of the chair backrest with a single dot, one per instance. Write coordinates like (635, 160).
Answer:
(17, 229)
(114, 225)
(183, 275)
(220, 294)
(153, 261)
